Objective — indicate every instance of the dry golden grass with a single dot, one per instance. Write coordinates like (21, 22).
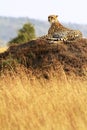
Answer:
(28, 103)
(2, 49)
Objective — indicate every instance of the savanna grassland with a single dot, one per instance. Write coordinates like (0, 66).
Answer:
(47, 95)
(2, 49)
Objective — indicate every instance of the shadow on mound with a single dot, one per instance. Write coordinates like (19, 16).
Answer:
(40, 55)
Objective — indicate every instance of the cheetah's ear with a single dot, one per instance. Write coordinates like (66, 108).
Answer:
(56, 15)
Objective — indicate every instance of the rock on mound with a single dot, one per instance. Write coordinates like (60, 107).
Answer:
(41, 55)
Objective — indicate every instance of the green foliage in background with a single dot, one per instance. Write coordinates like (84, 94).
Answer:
(25, 34)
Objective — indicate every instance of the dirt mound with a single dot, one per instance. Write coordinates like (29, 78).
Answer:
(41, 55)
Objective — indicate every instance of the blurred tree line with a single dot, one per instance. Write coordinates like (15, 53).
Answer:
(10, 26)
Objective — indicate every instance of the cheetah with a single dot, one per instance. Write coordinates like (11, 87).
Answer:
(59, 32)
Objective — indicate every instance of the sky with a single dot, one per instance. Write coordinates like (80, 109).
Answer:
(73, 11)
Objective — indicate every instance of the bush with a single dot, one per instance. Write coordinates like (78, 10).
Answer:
(25, 34)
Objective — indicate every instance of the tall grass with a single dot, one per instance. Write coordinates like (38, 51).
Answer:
(30, 103)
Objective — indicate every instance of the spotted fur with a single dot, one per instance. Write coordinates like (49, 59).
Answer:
(59, 32)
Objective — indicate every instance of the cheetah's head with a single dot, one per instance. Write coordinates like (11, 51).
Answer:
(52, 18)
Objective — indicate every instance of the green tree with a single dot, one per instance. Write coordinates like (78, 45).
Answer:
(25, 34)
